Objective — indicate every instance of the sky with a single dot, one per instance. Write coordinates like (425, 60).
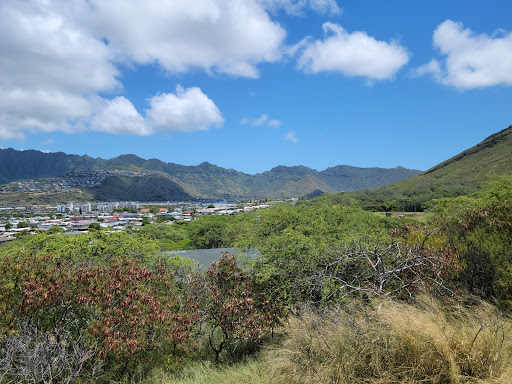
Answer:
(253, 84)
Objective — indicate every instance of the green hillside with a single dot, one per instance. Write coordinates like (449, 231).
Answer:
(288, 182)
(347, 178)
(31, 164)
(463, 174)
(493, 156)
(157, 187)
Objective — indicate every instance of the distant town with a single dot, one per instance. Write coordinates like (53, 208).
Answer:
(75, 218)
(70, 182)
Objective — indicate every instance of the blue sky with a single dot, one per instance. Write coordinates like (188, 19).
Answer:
(253, 84)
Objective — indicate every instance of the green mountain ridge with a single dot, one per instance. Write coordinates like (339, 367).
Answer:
(187, 182)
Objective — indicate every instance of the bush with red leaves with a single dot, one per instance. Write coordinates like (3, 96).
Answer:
(125, 311)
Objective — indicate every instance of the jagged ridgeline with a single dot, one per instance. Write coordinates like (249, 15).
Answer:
(155, 180)
(462, 174)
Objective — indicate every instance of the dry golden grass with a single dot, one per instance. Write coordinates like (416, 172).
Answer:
(390, 342)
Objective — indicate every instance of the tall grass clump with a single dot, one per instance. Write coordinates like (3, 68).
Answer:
(395, 342)
(249, 371)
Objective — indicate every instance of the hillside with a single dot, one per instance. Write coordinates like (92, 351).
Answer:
(462, 174)
(158, 187)
(202, 181)
(347, 178)
(31, 164)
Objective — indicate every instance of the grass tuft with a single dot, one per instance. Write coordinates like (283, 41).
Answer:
(250, 371)
(394, 342)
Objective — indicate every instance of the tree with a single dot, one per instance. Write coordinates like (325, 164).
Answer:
(208, 231)
(234, 308)
(95, 227)
(55, 229)
(23, 224)
(164, 219)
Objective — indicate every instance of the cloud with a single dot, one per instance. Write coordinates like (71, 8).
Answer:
(186, 111)
(351, 54)
(43, 49)
(50, 71)
(24, 111)
(298, 7)
(274, 123)
(224, 36)
(291, 137)
(433, 67)
(325, 7)
(259, 121)
(119, 116)
(60, 58)
(255, 122)
(470, 60)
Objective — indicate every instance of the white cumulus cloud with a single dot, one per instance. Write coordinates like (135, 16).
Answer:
(291, 137)
(119, 116)
(470, 60)
(60, 58)
(25, 111)
(225, 36)
(41, 48)
(351, 54)
(185, 111)
(433, 67)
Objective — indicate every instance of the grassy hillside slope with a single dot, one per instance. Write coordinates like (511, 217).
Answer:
(463, 174)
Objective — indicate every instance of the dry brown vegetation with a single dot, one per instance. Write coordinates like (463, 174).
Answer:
(395, 342)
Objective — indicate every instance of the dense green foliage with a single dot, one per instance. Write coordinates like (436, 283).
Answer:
(111, 299)
(168, 237)
(295, 242)
(479, 230)
(96, 248)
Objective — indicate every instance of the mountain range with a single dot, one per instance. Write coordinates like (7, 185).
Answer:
(171, 181)
(462, 174)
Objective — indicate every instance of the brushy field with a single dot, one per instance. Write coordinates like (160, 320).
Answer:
(378, 343)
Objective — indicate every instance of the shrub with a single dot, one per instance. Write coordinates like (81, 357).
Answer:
(124, 314)
(235, 310)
